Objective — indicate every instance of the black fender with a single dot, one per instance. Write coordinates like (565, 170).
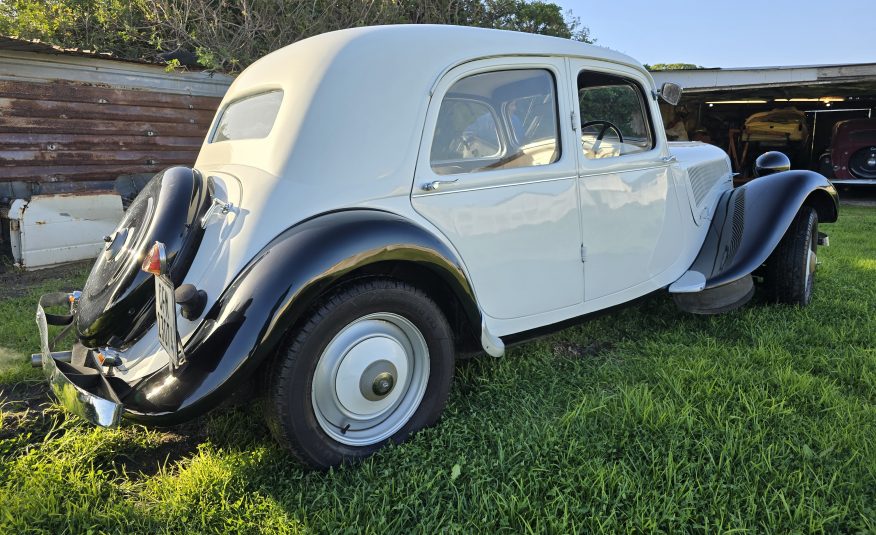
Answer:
(749, 222)
(275, 290)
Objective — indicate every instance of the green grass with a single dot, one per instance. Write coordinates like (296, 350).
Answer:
(648, 419)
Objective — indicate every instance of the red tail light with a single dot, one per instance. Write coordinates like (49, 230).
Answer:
(156, 260)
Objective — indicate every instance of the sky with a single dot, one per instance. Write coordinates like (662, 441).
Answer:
(733, 33)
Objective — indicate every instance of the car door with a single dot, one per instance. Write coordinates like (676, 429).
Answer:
(629, 214)
(497, 175)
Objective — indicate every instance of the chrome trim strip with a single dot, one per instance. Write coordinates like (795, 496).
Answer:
(80, 402)
(494, 186)
(583, 175)
(586, 174)
(852, 181)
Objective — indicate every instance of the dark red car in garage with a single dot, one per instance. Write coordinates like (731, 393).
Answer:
(853, 152)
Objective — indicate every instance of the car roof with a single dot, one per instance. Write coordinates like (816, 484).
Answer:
(442, 46)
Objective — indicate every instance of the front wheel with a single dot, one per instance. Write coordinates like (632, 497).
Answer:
(790, 270)
(372, 364)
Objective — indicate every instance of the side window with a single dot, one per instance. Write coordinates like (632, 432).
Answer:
(248, 118)
(497, 120)
(614, 117)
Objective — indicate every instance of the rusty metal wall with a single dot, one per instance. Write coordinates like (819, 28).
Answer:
(71, 131)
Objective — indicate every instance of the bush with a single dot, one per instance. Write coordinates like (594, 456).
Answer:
(228, 35)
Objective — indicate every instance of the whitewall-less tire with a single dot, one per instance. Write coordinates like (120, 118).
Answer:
(371, 364)
(789, 276)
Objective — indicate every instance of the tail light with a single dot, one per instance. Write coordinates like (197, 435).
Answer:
(156, 260)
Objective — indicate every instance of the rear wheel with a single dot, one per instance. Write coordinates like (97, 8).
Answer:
(790, 270)
(372, 364)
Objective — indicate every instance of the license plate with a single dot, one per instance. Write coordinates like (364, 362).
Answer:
(165, 312)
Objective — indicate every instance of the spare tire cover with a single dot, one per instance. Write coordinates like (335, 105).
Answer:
(117, 302)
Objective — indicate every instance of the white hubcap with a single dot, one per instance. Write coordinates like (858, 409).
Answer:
(359, 369)
(370, 379)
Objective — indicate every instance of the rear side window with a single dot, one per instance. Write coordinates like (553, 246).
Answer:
(248, 118)
(497, 120)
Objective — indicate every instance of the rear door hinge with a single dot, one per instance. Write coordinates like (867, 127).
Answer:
(583, 253)
(574, 122)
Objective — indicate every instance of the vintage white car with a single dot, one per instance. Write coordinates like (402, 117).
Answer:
(371, 203)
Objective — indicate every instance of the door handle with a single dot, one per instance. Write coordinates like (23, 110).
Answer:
(669, 159)
(436, 184)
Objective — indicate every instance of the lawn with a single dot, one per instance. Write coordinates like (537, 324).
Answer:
(648, 419)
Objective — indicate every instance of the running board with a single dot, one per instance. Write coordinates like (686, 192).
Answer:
(717, 300)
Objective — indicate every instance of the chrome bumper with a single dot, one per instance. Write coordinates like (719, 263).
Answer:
(69, 383)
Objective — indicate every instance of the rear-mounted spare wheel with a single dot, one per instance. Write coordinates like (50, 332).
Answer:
(117, 303)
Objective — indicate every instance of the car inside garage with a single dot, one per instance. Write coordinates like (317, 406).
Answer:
(820, 116)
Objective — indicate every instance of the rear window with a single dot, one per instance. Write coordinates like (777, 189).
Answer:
(248, 118)
(497, 120)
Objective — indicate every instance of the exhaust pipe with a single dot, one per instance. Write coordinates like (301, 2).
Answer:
(36, 359)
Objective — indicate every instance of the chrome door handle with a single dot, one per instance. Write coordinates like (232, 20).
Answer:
(217, 208)
(669, 159)
(435, 184)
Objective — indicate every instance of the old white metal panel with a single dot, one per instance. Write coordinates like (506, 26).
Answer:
(53, 229)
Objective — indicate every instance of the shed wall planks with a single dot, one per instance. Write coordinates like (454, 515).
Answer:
(71, 131)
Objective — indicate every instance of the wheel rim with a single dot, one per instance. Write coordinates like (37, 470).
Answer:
(370, 379)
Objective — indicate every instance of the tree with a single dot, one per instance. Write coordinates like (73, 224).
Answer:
(228, 35)
(531, 17)
(116, 26)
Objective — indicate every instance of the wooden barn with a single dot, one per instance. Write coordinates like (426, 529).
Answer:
(80, 133)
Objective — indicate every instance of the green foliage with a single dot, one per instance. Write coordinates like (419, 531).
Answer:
(617, 104)
(672, 66)
(532, 17)
(644, 420)
(232, 34)
(172, 65)
(228, 35)
(116, 26)
(19, 337)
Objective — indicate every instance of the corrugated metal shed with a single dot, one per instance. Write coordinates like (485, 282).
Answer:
(797, 80)
(76, 116)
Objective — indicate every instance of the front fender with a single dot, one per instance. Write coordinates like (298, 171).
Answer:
(273, 292)
(750, 221)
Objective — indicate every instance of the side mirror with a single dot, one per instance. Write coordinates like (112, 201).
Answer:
(671, 93)
(771, 162)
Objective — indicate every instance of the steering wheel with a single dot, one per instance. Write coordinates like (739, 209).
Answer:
(606, 125)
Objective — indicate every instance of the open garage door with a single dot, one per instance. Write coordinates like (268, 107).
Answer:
(820, 116)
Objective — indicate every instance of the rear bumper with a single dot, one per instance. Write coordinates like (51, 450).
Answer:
(88, 395)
